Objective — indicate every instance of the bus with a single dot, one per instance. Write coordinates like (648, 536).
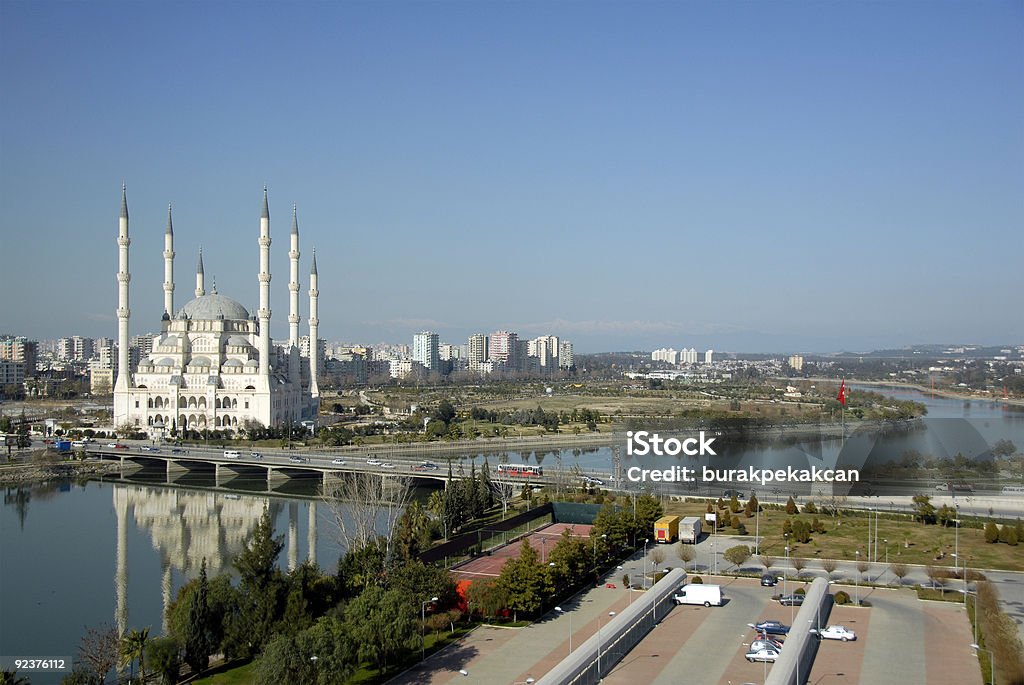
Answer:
(1013, 490)
(519, 470)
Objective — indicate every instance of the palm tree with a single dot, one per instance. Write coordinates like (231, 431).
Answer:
(133, 646)
(12, 678)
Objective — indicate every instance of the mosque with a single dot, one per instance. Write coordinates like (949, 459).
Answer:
(213, 365)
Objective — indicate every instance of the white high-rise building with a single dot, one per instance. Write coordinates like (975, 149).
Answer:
(426, 350)
(212, 365)
(545, 349)
(565, 355)
(707, 357)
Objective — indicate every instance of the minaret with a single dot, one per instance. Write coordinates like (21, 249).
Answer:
(314, 322)
(293, 284)
(264, 277)
(123, 313)
(200, 276)
(169, 266)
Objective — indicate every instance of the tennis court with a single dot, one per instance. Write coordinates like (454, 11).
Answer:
(543, 540)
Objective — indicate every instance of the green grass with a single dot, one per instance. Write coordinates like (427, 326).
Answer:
(939, 595)
(239, 675)
(909, 542)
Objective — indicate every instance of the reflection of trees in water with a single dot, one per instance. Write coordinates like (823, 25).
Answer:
(19, 498)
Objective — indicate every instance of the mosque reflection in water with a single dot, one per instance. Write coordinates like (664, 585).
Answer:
(186, 526)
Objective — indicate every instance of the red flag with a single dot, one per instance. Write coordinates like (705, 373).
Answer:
(842, 393)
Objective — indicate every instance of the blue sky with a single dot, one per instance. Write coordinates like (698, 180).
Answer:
(745, 176)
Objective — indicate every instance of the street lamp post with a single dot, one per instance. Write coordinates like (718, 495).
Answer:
(856, 579)
(991, 659)
(423, 627)
(646, 541)
(563, 611)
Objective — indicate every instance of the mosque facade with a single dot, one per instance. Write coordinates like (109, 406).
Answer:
(213, 365)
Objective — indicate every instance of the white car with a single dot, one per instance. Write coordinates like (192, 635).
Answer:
(373, 462)
(765, 654)
(836, 633)
(338, 462)
(387, 465)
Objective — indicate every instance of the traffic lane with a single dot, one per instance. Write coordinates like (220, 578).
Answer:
(707, 655)
(837, 662)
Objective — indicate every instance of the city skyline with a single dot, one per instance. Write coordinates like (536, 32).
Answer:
(796, 178)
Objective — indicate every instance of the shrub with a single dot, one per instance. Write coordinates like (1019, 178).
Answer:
(809, 508)
(697, 580)
(991, 532)
(841, 597)
(800, 591)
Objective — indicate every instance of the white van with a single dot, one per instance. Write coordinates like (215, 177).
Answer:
(697, 593)
(79, 444)
(232, 454)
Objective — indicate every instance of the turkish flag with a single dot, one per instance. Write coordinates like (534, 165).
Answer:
(842, 393)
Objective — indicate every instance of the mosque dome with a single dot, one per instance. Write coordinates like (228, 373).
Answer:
(211, 307)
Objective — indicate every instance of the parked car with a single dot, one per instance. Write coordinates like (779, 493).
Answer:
(765, 643)
(770, 627)
(766, 654)
(793, 600)
(339, 462)
(768, 580)
(836, 632)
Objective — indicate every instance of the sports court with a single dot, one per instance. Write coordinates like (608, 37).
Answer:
(543, 540)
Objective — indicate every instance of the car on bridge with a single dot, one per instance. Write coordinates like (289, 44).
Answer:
(339, 462)
(373, 462)
(255, 455)
(297, 460)
(387, 465)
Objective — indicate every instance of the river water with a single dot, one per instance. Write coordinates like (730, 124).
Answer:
(75, 556)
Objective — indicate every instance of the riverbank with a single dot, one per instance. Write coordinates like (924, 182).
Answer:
(32, 473)
(972, 396)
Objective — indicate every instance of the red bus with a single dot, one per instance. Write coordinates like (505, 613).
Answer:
(519, 470)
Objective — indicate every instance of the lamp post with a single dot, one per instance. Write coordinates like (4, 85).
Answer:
(566, 613)
(543, 550)
(885, 542)
(856, 579)
(423, 627)
(646, 541)
(992, 661)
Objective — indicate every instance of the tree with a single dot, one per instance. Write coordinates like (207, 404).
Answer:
(382, 623)
(365, 505)
(686, 554)
(504, 491)
(525, 581)
(99, 651)
(862, 566)
(991, 532)
(1004, 448)
(900, 571)
(658, 556)
(737, 555)
(924, 510)
(799, 563)
(412, 534)
(829, 565)
(132, 648)
(946, 516)
(261, 586)
(487, 597)
(165, 658)
(767, 560)
(197, 639)
(791, 507)
(12, 678)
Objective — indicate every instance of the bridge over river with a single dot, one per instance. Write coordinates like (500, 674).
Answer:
(278, 465)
